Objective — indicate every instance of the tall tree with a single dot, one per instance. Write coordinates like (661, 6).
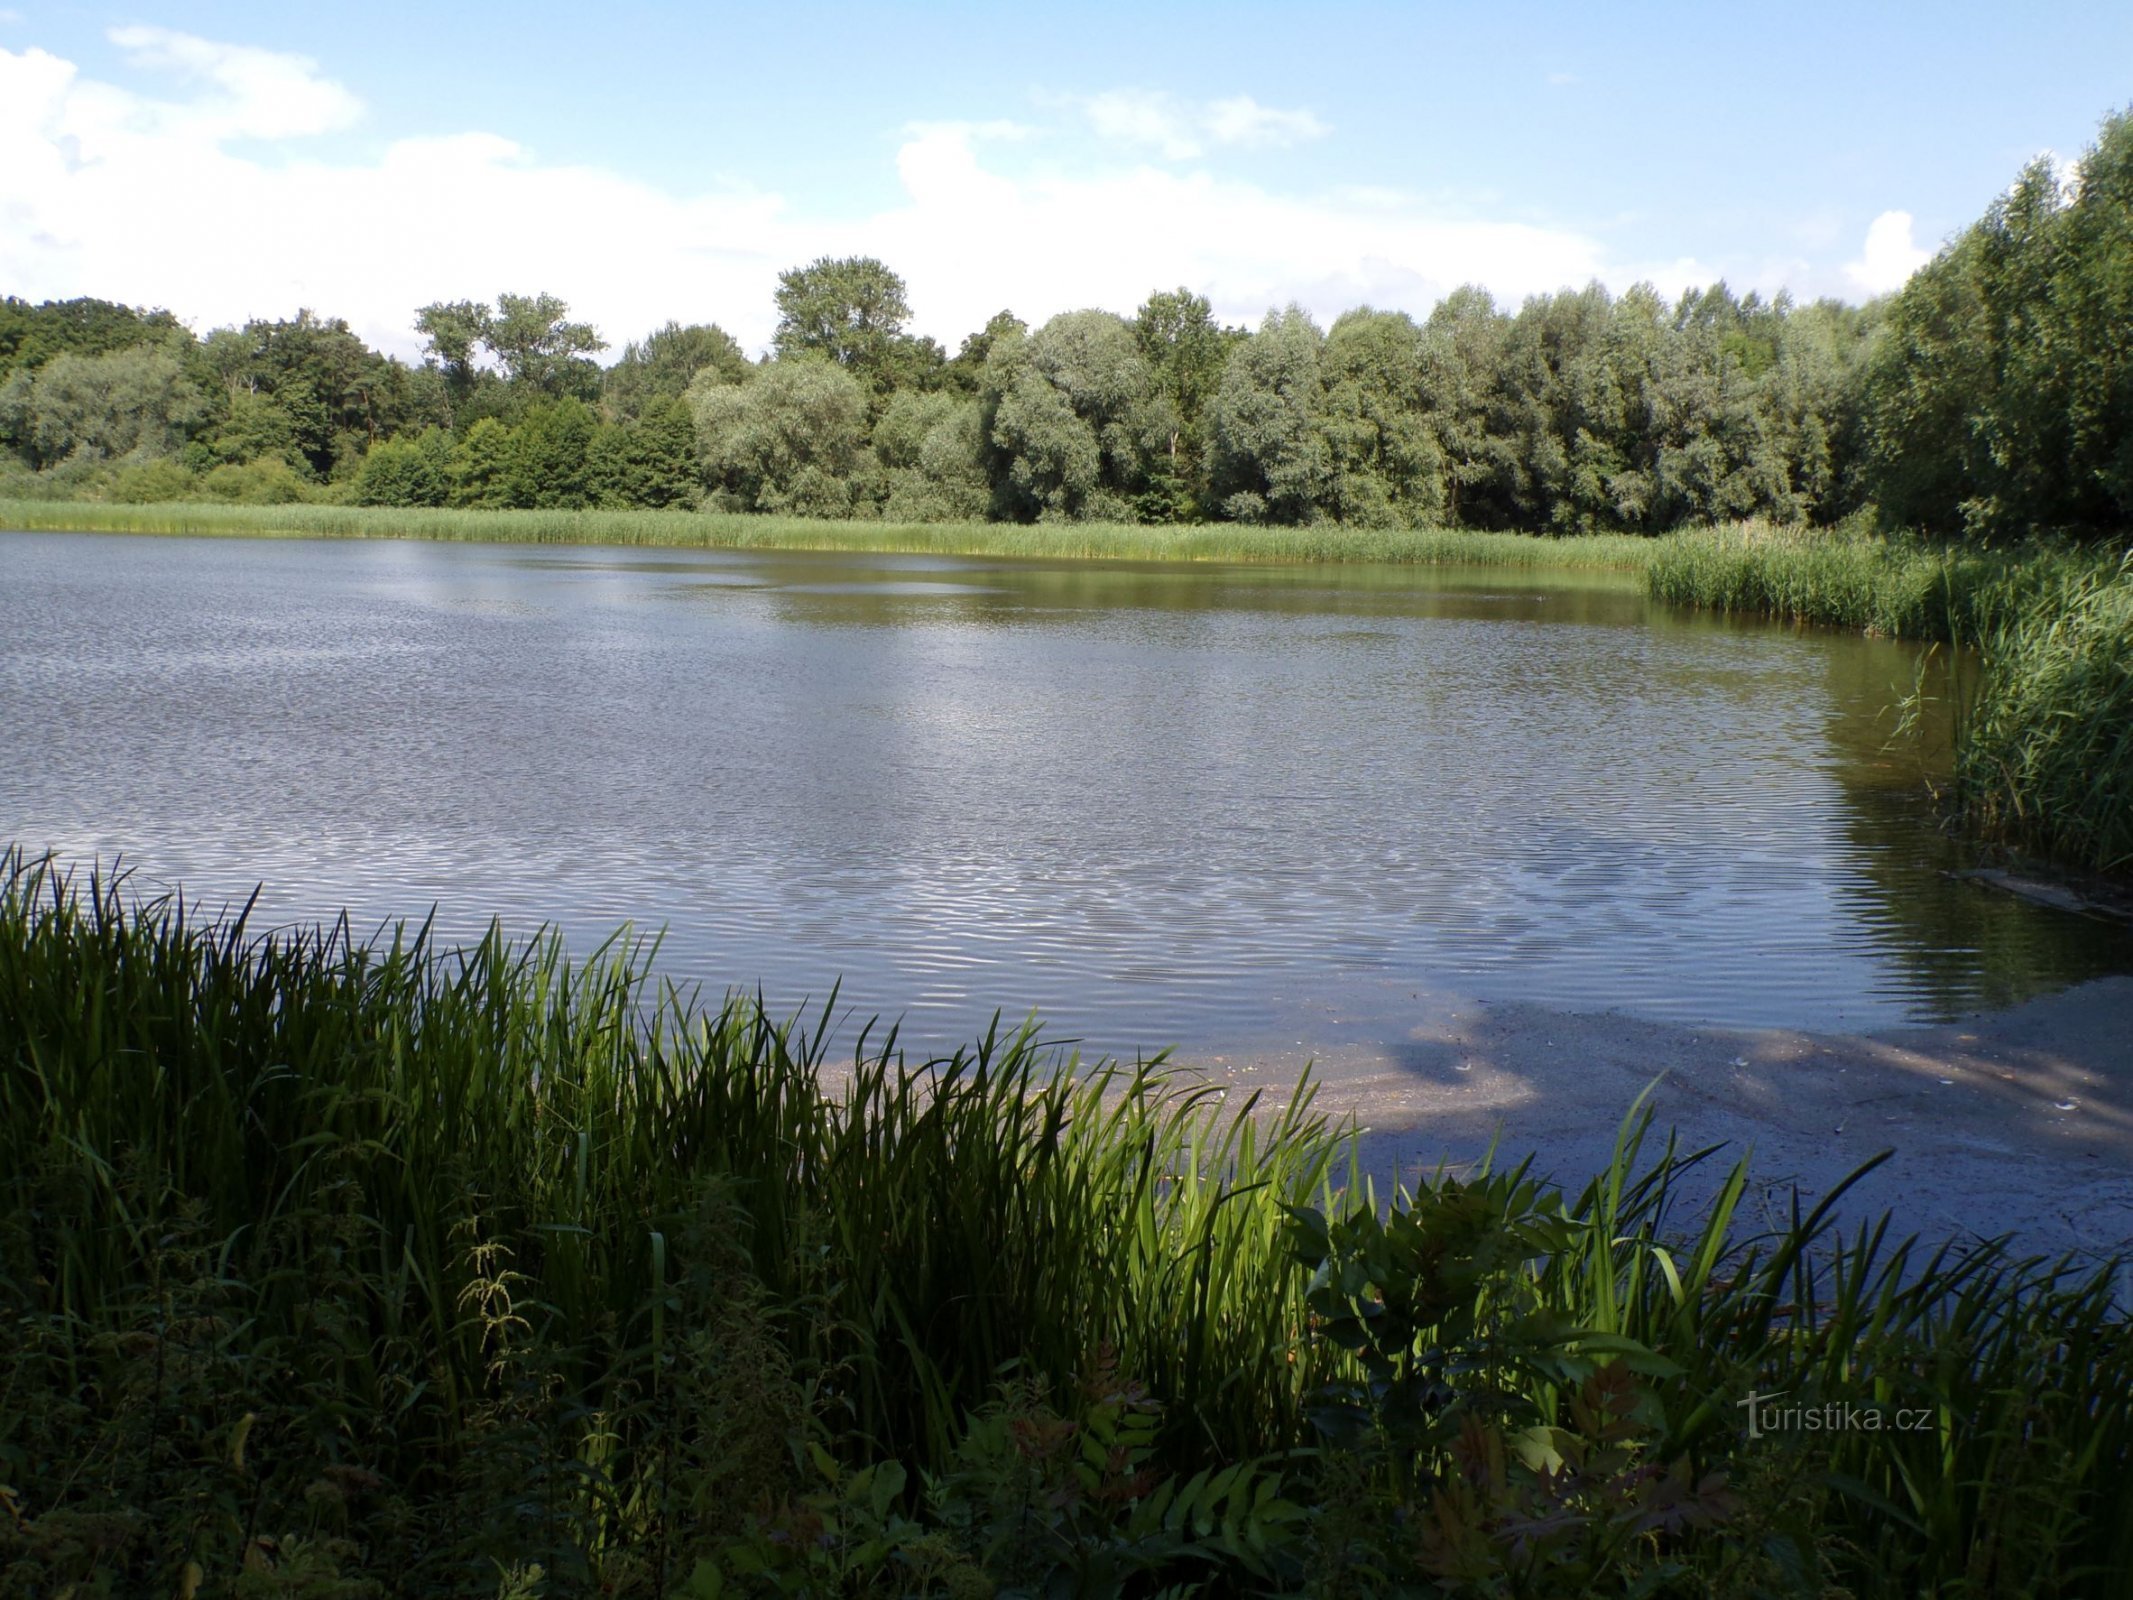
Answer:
(1273, 459)
(451, 329)
(664, 363)
(1077, 417)
(1186, 351)
(850, 309)
(788, 440)
(538, 346)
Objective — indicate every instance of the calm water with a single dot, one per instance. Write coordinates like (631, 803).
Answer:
(1203, 806)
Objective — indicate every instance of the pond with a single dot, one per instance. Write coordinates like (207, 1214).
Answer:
(1202, 806)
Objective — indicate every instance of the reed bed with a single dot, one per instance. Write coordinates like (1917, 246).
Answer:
(1894, 587)
(2046, 760)
(1329, 542)
(345, 1268)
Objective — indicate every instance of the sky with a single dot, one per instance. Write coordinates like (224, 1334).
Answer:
(648, 162)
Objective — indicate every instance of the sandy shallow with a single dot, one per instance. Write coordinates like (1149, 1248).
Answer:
(2015, 1122)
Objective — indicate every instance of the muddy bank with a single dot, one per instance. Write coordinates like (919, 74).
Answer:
(2010, 1122)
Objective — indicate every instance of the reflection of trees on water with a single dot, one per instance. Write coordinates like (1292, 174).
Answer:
(1965, 946)
(875, 592)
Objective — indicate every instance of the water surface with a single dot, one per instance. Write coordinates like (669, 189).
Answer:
(1195, 805)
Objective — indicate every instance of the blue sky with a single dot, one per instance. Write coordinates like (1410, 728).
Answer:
(648, 161)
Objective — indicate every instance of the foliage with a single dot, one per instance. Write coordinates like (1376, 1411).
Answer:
(2001, 403)
(665, 362)
(1387, 464)
(790, 440)
(1186, 351)
(347, 1271)
(131, 403)
(2046, 760)
(932, 463)
(31, 335)
(1074, 416)
(537, 346)
(306, 389)
(407, 471)
(852, 312)
(540, 352)
(1273, 460)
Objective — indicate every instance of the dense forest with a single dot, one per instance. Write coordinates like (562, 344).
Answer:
(1992, 397)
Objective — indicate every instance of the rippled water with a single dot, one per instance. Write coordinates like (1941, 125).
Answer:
(1196, 805)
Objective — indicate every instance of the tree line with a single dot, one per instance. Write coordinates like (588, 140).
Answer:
(1991, 397)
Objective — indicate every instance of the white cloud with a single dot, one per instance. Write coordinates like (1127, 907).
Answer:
(970, 238)
(1562, 80)
(110, 192)
(1890, 257)
(1182, 129)
(264, 93)
(1244, 121)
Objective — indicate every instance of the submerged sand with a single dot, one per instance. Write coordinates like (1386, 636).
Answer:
(2015, 1122)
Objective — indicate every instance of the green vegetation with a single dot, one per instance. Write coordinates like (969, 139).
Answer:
(1897, 588)
(2046, 757)
(329, 1270)
(733, 531)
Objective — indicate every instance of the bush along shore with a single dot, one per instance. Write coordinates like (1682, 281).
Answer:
(342, 1269)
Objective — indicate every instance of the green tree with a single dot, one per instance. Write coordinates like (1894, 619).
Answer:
(2000, 401)
(258, 427)
(1076, 418)
(1387, 468)
(1462, 351)
(1273, 460)
(662, 365)
(339, 395)
(966, 371)
(850, 311)
(483, 463)
(451, 331)
(550, 454)
(1186, 351)
(540, 349)
(789, 440)
(932, 466)
(134, 403)
(31, 335)
(406, 471)
(650, 461)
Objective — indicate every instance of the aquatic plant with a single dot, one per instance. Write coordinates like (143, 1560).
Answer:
(333, 1267)
(737, 531)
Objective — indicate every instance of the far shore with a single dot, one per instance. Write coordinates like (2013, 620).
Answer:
(2012, 1122)
(1332, 543)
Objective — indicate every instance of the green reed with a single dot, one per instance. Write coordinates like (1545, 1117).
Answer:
(1898, 588)
(419, 1262)
(2047, 757)
(1329, 542)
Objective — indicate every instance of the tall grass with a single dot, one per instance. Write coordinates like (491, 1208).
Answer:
(1895, 587)
(385, 1266)
(2047, 755)
(1329, 542)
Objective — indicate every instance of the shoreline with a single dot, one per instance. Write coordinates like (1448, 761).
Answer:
(1327, 544)
(2016, 1121)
